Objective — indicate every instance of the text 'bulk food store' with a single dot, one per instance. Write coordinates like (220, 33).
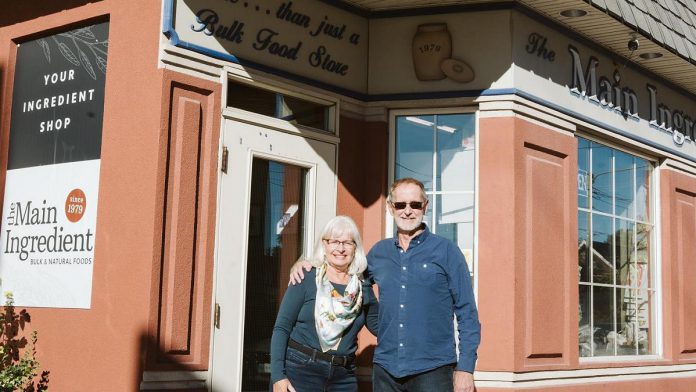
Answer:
(165, 163)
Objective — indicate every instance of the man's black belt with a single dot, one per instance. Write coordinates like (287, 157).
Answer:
(338, 360)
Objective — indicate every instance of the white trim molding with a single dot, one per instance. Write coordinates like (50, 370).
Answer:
(581, 376)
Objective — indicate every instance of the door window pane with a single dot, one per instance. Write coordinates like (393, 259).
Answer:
(276, 237)
(300, 111)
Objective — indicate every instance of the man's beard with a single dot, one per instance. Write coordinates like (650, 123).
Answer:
(408, 224)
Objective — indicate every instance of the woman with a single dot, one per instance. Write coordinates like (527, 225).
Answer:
(315, 334)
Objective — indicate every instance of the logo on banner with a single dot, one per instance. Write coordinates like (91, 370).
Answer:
(42, 235)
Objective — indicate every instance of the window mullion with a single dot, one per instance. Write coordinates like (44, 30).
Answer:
(614, 271)
(434, 212)
(591, 249)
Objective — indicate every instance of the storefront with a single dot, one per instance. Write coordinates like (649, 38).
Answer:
(165, 163)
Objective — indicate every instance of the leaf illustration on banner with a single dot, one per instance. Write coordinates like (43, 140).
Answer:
(66, 52)
(101, 63)
(85, 62)
(85, 33)
(46, 49)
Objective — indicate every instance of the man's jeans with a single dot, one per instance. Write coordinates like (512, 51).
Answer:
(314, 375)
(436, 380)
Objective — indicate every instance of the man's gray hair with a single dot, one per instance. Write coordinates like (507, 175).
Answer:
(403, 181)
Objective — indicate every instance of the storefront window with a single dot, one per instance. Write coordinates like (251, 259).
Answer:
(294, 110)
(615, 257)
(439, 150)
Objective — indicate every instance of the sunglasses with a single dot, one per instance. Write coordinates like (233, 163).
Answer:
(415, 205)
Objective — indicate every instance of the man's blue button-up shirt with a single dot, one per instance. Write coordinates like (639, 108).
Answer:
(420, 290)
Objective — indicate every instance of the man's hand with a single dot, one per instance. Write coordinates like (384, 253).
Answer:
(463, 381)
(283, 386)
(297, 271)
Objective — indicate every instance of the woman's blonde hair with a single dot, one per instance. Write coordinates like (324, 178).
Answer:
(336, 227)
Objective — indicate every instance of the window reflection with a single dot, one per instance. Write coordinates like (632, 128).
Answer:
(602, 249)
(414, 149)
(625, 252)
(623, 180)
(584, 246)
(602, 189)
(275, 242)
(285, 107)
(440, 151)
(603, 316)
(615, 234)
(583, 172)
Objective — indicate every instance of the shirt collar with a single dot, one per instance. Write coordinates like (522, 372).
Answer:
(417, 239)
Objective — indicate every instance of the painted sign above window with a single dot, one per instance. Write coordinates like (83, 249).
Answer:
(601, 88)
(311, 40)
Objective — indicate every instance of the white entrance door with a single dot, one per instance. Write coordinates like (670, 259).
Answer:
(278, 192)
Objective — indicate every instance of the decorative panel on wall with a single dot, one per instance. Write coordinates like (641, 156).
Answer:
(545, 205)
(544, 180)
(684, 276)
(180, 328)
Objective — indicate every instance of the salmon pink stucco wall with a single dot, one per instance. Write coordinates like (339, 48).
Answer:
(527, 276)
(362, 182)
(103, 348)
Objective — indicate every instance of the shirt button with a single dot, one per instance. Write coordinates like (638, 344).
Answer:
(401, 344)
(403, 286)
(425, 266)
(403, 268)
(401, 251)
(401, 325)
(402, 305)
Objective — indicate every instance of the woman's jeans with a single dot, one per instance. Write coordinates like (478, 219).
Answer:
(315, 375)
(436, 380)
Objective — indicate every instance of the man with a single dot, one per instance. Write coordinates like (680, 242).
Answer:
(423, 282)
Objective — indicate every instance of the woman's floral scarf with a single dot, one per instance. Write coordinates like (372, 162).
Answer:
(333, 311)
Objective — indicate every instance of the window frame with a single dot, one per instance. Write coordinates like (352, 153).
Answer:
(389, 221)
(655, 255)
(255, 81)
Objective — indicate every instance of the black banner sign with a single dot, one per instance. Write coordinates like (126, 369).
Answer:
(58, 100)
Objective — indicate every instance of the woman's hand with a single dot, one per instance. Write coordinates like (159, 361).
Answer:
(283, 386)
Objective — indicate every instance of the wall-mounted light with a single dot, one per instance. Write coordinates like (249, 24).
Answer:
(573, 13)
(650, 55)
